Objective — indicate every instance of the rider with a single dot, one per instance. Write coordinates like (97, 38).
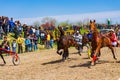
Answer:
(113, 38)
(78, 38)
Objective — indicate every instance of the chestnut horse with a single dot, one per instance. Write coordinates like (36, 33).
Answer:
(98, 42)
(64, 42)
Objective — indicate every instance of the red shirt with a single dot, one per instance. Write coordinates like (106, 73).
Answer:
(113, 38)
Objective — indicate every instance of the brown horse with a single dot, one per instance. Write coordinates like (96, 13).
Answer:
(98, 42)
(64, 42)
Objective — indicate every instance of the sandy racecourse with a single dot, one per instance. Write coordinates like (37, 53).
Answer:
(47, 65)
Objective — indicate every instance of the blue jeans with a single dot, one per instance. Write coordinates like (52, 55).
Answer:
(14, 49)
(35, 47)
(29, 47)
(51, 43)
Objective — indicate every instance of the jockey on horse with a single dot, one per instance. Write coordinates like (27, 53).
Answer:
(113, 38)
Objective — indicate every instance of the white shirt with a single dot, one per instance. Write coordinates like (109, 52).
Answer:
(78, 37)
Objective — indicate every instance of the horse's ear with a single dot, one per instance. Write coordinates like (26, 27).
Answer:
(90, 21)
(94, 21)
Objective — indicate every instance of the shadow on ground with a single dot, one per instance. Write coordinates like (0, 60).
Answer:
(58, 61)
(88, 63)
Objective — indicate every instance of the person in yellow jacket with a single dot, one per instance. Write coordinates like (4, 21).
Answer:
(20, 42)
(48, 40)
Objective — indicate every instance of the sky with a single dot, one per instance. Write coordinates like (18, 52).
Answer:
(32, 9)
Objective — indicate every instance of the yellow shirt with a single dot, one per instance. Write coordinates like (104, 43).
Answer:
(48, 37)
(20, 40)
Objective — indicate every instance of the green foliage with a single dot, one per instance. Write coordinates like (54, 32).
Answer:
(65, 24)
(83, 31)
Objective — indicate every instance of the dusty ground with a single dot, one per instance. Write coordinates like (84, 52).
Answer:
(47, 65)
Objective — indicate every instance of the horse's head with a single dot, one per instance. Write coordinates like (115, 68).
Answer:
(92, 25)
(61, 31)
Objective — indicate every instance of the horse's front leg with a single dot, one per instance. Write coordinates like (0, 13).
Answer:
(99, 54)
(94, 58)
(3, 58)
(59, 48)
(60, 53)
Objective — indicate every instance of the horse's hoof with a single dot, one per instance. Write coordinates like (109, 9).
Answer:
(60, 53)
(79, 54)
(68, 58)
(4, 63)
(63, 59)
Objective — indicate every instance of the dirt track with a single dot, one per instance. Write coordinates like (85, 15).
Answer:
(47, 65)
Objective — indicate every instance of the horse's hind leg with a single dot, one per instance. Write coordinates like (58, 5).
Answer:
(112, 52)
(2, 58)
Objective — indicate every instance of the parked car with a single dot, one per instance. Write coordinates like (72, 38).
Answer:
(103, 31)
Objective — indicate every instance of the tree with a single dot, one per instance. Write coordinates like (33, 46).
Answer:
(36, 23)
(48, 23)
(49, 20)
(66, 25)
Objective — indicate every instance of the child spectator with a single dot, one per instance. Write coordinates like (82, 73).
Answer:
(27, 44)
(14, 45)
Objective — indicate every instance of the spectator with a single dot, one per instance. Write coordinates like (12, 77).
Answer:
(48, 40)
(6, 25)
(1, 29)
(51, 40)
(30, 31)
(11, 25)
(5, 44)
(27, 44)
(20, 29)
(31, 37)
(35, 42)
(14, 45)
(20, 41)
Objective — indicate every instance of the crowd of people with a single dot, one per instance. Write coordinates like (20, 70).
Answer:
(29, 36)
